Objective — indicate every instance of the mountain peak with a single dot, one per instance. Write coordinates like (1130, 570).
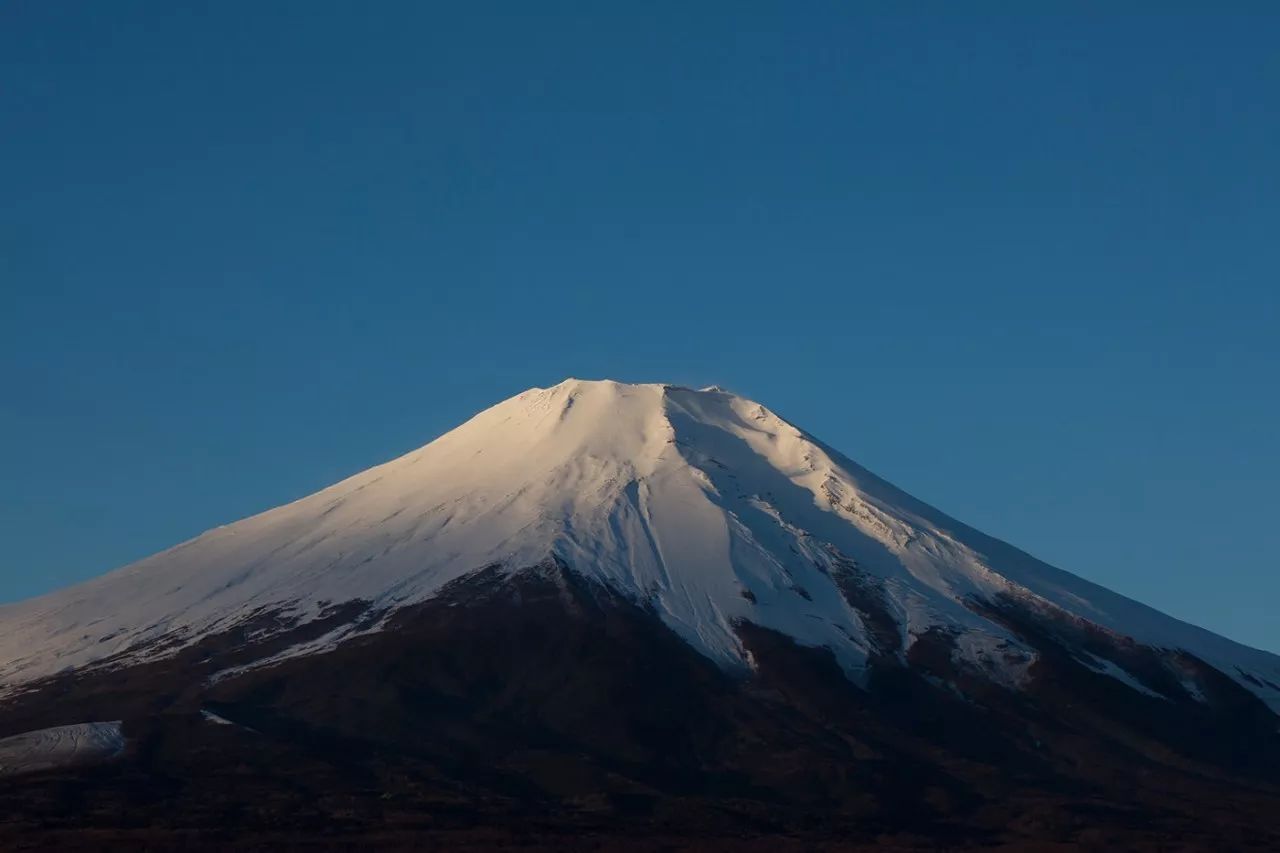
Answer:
(575, 385)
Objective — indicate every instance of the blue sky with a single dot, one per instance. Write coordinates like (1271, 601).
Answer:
(1023, 264)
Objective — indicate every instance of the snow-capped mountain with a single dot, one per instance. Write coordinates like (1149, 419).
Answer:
(618, 616)
(699, 504)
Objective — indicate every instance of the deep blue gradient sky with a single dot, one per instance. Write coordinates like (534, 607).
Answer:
(1024, 265)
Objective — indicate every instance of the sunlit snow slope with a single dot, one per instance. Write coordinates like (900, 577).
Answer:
(703, 504)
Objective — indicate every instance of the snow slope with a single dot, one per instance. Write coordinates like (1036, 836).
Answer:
(703, 504)
(60, 746)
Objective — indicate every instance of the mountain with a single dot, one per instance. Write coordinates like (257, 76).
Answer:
(633, 613)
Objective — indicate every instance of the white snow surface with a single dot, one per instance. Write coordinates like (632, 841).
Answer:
(210, 717)
(679, 498)
(1119, 673)
(60, 746)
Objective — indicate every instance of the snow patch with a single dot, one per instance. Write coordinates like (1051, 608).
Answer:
(60, 746)
(210, 717)
(1114, 670)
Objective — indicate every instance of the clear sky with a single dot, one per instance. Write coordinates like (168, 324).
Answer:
(1023, 264)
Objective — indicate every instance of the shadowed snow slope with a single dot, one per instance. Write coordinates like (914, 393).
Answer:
(60, 746)
(701, 504)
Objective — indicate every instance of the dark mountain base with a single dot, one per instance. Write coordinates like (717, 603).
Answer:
(541, 712)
